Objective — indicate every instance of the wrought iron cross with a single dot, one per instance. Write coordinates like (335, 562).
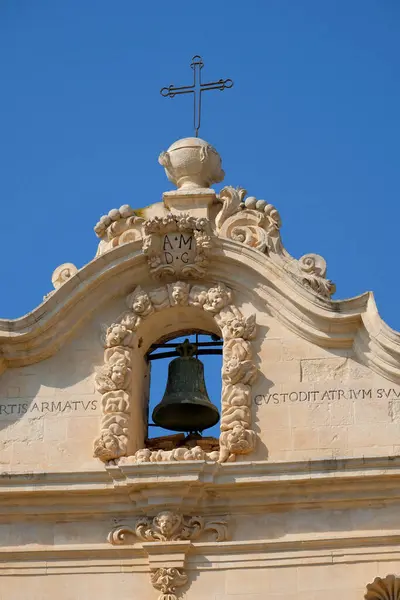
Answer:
(196, 89)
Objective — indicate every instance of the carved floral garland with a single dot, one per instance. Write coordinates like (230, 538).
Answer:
(238, 373)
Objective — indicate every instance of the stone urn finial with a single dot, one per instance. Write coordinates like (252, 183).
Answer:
(192, 163)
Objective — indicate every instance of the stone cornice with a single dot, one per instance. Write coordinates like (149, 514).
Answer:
(234, 487)
(353, 323)
(299, 550)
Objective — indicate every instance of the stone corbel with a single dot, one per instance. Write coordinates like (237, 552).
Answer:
(166, 539)
(167, 566)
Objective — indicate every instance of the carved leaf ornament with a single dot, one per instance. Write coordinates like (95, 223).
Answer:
(238, 373)
(168, 526)
(179, 245)
(257, 224)
(167, 579)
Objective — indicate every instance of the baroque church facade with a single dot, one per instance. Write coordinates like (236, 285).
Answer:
(298, 498)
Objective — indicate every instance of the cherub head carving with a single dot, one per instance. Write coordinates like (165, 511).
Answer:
(140, 302)
(218, 297)
(179, 292)
(167, 522)
(118, 335)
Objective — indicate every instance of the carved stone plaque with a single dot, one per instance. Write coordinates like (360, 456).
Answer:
(178, 249)
(177, 245)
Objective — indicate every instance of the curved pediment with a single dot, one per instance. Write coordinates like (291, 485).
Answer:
(354, 322)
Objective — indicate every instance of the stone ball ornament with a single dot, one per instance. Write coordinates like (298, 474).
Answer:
(192, 163)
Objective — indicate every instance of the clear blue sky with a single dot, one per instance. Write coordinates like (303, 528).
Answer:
(312, 125)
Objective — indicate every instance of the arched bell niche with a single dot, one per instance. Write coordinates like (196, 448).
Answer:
(207, 348)
(162, 313)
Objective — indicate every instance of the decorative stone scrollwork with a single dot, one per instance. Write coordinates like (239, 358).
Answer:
(60, 275)
(168, 526)
(387, 588)
(167, 579)
(313, 268)
(112, 381)
(120, 226)
(256, 223)
(238, 373)
(114, 375)
(177, 245)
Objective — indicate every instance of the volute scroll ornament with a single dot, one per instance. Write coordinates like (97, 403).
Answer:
(119, 226)
(252, 222)
(61, 275)
(238, 373)
(168, 526)
(313, 268)
(256, 223)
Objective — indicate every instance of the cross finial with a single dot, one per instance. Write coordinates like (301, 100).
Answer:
(196, 89)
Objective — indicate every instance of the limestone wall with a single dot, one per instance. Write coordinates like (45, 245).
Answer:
(310, 402)
(49, 411)
(299, 582)
(307, 402)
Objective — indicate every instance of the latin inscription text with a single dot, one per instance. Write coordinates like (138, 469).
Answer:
(326, 395)
(20, 408)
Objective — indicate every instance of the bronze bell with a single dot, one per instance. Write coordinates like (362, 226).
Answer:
(185, 405)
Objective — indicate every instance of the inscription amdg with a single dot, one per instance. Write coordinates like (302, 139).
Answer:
(178, 249)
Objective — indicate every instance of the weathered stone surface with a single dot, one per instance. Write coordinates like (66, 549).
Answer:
(298, 498)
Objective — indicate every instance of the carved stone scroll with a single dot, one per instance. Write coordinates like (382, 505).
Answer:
(257, 223)
(252, 222)
(177, 245)
(168, 526)
(238, 373)
(313, 271)
(60, 275)
(120, 226)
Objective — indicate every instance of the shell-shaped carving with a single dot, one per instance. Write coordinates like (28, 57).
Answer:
(384, 589)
